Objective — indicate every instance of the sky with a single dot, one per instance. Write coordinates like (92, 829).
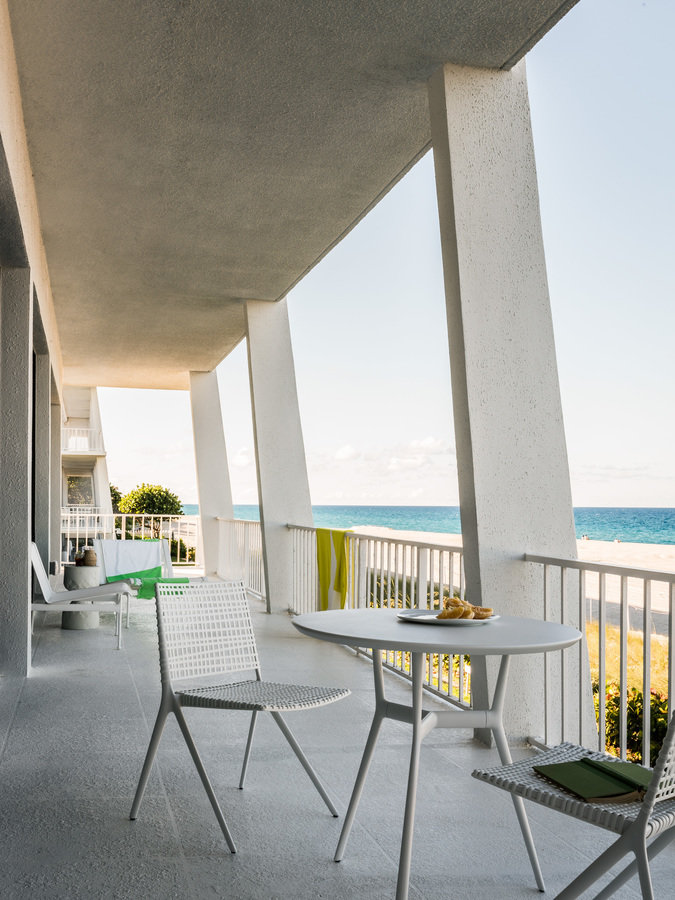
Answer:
(373, 380)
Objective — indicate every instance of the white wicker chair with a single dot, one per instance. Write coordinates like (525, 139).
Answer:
(205, 631)
(652, 820)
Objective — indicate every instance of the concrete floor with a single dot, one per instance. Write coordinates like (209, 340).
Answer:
(72, 740)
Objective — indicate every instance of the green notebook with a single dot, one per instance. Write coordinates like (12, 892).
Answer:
(599, 781)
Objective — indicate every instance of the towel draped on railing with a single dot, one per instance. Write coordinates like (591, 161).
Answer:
(331, 558)
(139, 560)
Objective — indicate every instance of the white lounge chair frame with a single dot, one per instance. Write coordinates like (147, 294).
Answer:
(645, 828)
(205, 630)
(103, 597)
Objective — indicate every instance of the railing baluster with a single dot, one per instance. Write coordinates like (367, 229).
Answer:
(671, 643)
(602, 676)
(563, 657)
(582, 628)
(623, 670)
(646, 672)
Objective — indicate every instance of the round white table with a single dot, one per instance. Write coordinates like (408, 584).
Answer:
(381, 629)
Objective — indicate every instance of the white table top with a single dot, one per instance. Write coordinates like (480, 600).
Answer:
(380, 628)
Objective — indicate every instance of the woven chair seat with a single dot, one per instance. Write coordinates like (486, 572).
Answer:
(263, 696)
(520, 778)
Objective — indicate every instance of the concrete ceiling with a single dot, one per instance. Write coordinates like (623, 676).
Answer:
(192, 154)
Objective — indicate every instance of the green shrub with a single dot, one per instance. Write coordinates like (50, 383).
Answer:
(151, 499)
(634, 730)
(395, 590)
(115, 497)
(186, 554)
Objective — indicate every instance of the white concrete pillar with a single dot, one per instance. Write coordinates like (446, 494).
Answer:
(511, 455)
(283, 488)
(100, 475)
(213, 476)
(55, 478)
(16, 385)
(42, 439)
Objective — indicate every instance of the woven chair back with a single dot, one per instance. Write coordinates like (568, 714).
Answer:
(663, 780)
(204, 629)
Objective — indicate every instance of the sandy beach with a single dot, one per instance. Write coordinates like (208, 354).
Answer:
(659, 557)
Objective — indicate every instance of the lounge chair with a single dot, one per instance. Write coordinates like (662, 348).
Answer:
(102, 597)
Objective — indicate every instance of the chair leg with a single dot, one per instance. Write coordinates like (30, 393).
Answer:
(304, 761)
(596, 869)
(149, 758)
(118, 619)
(204, 777)
(643, 871)
(247, 752)
(661, 842)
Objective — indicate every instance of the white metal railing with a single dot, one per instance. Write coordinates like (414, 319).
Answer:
(81, 440)
(619, 607)
(79, 525)
(240, 549)
(631, 610)
(396, 573)
(305, 570)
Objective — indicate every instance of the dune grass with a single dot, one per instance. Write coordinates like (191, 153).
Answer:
(659, 657)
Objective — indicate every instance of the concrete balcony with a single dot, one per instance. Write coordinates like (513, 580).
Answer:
(82, 442)
(72, 740)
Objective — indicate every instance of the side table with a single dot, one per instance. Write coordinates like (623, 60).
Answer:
(75, 578)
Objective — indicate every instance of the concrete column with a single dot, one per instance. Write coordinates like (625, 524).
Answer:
(511, 455)
(55, 478)
(42, 451)
(100, 475)
(16, 380)
(283, 488)
(213, 476)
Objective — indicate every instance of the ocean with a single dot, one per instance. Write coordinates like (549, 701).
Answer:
(640, 525)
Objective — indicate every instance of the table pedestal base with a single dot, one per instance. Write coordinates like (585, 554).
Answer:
(423, 721)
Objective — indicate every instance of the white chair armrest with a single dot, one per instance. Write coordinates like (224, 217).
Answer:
(93, 593)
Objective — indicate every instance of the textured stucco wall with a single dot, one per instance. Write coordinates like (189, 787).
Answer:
(512, 460)
(20, 176)
(16, 328)
(213, 476)
(283, 487)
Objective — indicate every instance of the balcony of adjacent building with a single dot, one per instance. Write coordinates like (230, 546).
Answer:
(82, 442)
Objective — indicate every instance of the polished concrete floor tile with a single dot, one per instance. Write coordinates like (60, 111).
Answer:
(72, 741)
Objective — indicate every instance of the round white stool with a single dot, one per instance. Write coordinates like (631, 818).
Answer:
(75, 578)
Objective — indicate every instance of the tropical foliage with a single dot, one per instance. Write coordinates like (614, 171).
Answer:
(115, 497)
(150, 499)
(634, 730)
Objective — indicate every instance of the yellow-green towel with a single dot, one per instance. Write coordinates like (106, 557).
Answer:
(331, 558)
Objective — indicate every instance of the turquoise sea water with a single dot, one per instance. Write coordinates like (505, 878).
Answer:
(641, 525)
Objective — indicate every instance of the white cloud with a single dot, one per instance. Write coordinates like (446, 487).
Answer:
(429, 445)
(242, 458)
(347, 452)
(407, 462)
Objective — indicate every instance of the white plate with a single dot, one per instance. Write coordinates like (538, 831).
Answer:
(430, 617)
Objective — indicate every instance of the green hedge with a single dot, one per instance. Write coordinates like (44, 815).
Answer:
(398, 588)
(634, 730)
